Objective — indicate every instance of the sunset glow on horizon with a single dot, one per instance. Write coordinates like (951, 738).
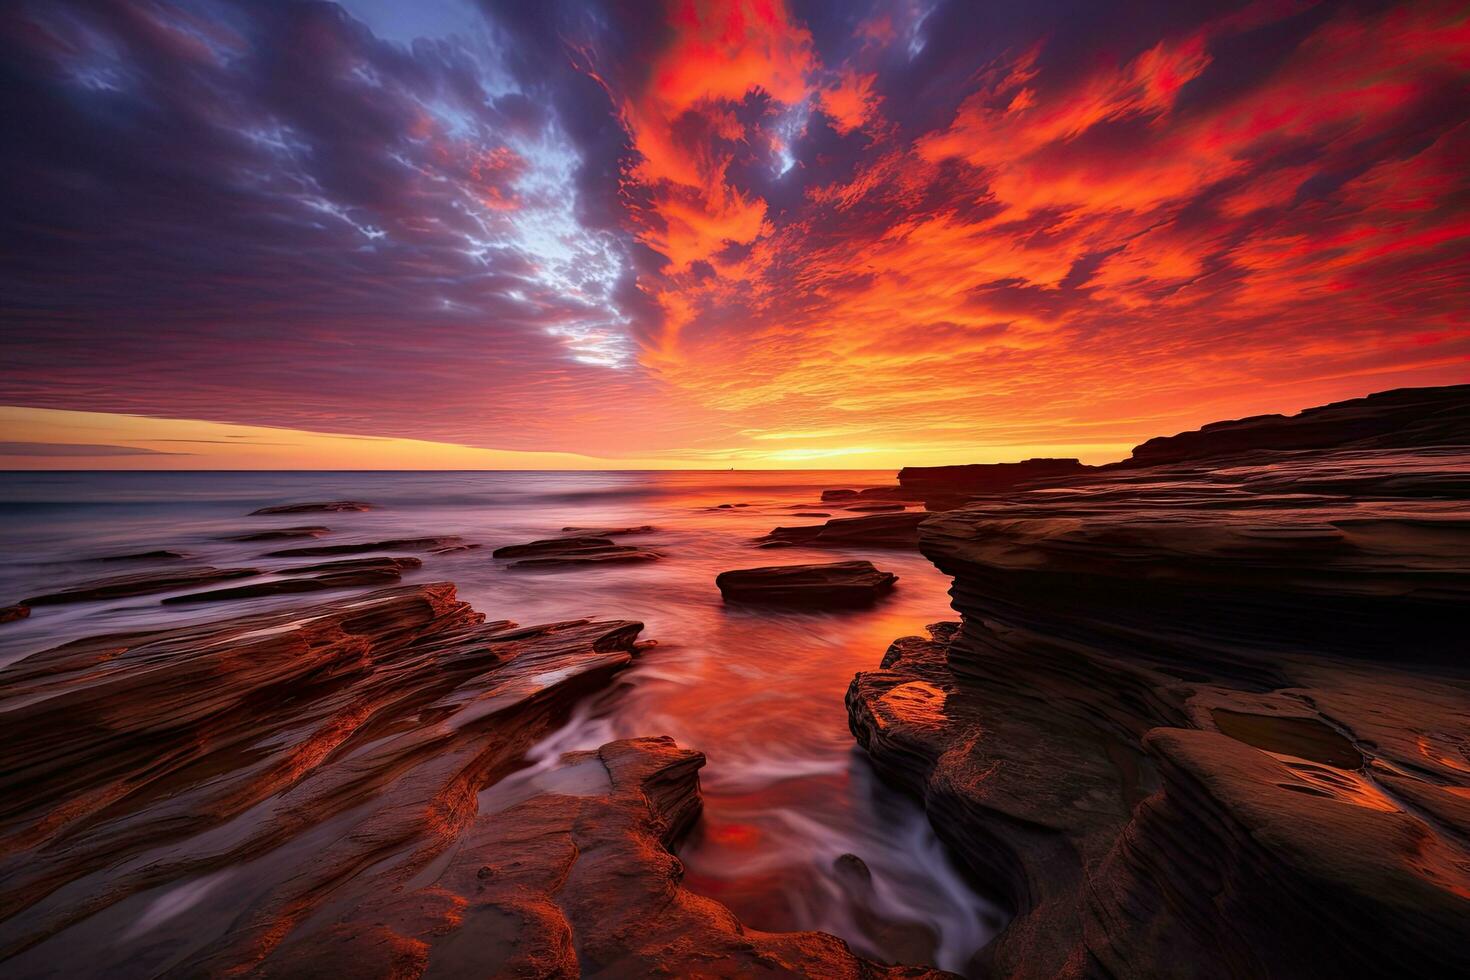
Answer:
(755, 234)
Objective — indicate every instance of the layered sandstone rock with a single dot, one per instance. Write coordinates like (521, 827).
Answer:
(337, 790)
(1205, 720)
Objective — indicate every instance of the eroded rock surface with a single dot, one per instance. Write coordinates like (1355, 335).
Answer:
(1204, 720)
(358, 573)
(835, 584)
(335, 790)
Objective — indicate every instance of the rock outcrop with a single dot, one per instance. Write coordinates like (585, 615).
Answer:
(833, 585)
(1205, 721)
(570, 552)
(338, 790)
(320, 507)
(974, 479)
(610, 532)
(1402, 418)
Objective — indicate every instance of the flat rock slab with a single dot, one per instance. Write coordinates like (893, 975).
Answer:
(444, 543)
(141, 583)
(838, 584)
(323, 507)
(571, 552)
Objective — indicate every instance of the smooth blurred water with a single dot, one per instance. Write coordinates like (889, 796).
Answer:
(759, 692)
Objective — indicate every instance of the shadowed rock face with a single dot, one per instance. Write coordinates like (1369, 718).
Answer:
(331, 790)
(353, 573)
(838, 584)
(1205, 721)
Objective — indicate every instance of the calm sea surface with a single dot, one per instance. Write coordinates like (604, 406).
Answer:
(759, 692)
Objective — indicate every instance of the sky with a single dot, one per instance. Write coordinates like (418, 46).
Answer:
(756, 233)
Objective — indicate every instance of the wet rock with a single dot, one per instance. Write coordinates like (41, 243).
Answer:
(570, 552)
(140, 583)
(158, 555)
(609, 532)
(838, 584)
(9, 614)
(877, 531)
(829, 496)
(280, 534)
(435, 545)
(337, 790)
(1203, 715)
(324, 507)
(811, 513)
(875, 508)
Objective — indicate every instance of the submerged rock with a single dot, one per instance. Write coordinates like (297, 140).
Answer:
(9, 614)
(280, 534)
(1203, 716)
(439, 544)
(609, 532)
(843, 583)
(877, 531)
(323, 507)
(140, 583)
(561, 552)
(357, 573)
(158, 555)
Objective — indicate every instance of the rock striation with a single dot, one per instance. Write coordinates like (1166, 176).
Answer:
(340, 790)
(1206, 720)
(834, 585)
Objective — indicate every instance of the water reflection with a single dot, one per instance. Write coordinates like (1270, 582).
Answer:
(797, 832)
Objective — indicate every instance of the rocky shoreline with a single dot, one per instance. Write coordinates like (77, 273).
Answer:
(1208, 717)
(1204, 714)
